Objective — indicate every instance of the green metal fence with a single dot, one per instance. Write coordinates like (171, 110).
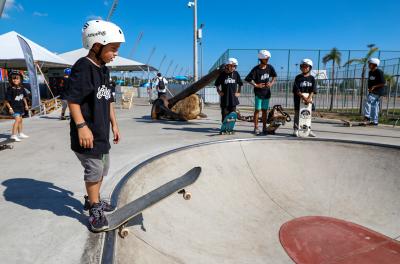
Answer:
(346, 84)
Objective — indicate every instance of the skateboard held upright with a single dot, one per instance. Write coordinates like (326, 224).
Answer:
(228, 124)
(305, 115)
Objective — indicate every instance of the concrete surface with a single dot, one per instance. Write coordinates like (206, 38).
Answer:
(42, 187)
(248, 189)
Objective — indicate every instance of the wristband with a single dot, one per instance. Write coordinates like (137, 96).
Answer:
(83, 124)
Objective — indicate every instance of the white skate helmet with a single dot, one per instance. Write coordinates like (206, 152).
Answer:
(264, 54)
(100, 31)
(232, 61)
(375, 61)
(306, 62)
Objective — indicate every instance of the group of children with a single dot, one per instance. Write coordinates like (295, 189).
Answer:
(89, 95)
(263, 77)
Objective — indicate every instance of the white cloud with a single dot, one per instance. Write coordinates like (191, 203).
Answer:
(40, 14)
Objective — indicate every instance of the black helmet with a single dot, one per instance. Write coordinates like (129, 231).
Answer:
(159, 74)
(13, 73)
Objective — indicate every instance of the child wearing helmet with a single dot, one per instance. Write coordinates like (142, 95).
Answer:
(229, 85)
(303, 83)
(262, 77)
(376, 82)
(16, 103)
(90, 98)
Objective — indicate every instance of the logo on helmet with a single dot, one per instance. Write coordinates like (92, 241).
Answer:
(98, 33)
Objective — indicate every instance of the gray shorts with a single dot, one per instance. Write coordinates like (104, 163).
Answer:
(96, 166)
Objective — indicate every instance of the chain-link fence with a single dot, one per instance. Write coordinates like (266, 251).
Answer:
(346, 84)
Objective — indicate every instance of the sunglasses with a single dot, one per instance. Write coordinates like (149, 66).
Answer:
(15, 77)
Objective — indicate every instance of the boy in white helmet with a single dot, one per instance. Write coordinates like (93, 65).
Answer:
(262, 77)
(376, 82)
(90, 100)
(229, 85)
(303, 83)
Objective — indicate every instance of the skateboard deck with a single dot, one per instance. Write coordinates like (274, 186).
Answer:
(121, 216)
(347, 123)
(5, 144)
(318, 239)
(305, 115)
(229, 123)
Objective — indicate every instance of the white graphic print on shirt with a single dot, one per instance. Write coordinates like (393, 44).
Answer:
(264, 77)
(19, 97)
(230, 80)
(103, 91)
(305, 84)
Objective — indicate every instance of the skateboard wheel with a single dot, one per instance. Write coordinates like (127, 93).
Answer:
(187, 196)
(123, 232)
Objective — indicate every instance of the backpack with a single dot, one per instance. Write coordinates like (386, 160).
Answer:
(161, 84)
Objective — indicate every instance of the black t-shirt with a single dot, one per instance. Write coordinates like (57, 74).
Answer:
(259, 75)
(303, 84)
(89, 86)
(15, 97)
(374, 78)
(230, 83)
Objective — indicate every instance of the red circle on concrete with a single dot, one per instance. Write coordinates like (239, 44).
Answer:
(318, 239)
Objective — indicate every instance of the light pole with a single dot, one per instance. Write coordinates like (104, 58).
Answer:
(200, 39)
(193, 4)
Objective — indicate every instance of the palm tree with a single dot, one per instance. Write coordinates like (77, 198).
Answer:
(334, 56)
(364, 62)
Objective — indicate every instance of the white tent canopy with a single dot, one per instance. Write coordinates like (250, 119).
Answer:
(11, 55)
(118, 64)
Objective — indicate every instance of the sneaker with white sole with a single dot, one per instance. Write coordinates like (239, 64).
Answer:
(312, 134)
(15, 138)
(256, 131)
(296, 133)
(22, 135)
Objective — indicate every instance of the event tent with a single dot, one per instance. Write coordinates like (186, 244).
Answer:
(11, 55)
(118, 64)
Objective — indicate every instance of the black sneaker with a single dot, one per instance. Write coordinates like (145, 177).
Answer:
(97, 220)
(105, 205)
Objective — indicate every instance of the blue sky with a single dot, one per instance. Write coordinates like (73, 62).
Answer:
(167, 25)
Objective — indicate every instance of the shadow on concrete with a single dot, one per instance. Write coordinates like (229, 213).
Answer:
(137, 221)
(41, 195)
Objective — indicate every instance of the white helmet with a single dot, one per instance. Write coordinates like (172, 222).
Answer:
(232, 61)
(264, 54)
(375, 61)
(307, 62)
(100, 31)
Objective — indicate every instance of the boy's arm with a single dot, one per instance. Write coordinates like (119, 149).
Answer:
(270, 84)
(114, 125)
(9, 107)
(26, 104)
(84, 133)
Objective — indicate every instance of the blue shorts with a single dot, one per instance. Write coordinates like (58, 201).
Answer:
(261, 104)
(17, 114)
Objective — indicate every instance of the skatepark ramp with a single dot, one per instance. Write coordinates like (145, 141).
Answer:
(248, 189)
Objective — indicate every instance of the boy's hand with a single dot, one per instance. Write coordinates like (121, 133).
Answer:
(117, 136)
(221, 93)
(260, 85)
(237, 94)
(85, 137)
(268, 84)
(11, 111)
